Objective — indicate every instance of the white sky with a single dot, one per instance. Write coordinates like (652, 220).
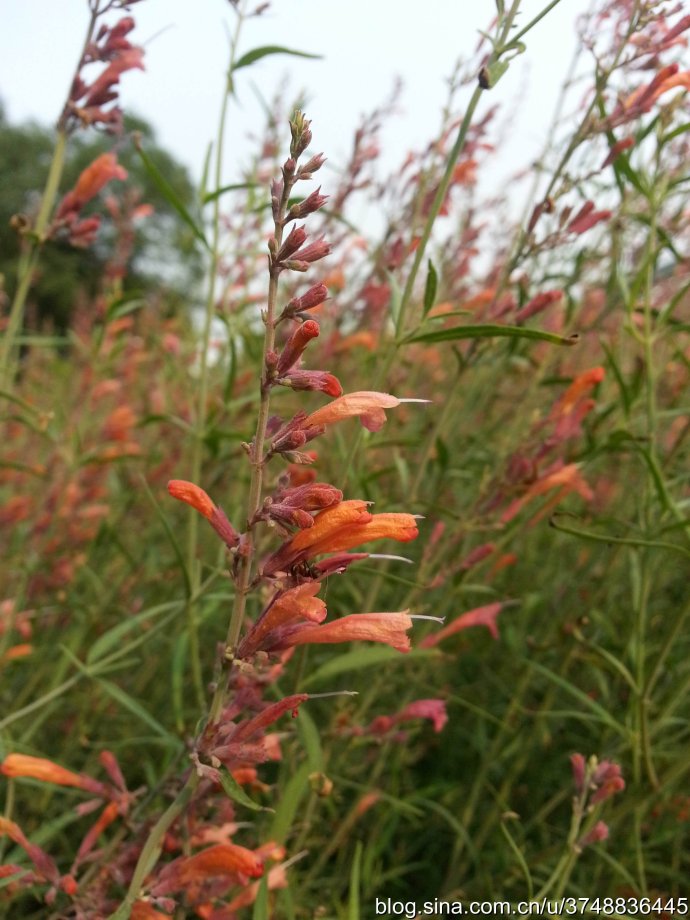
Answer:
(364, 43)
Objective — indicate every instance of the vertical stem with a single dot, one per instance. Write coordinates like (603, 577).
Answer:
(257, 460)
(153, 846)
(29, 261)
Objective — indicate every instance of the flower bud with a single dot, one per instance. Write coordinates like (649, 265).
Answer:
(301, 134)
(320, 381)
(311, 166)
(295, 346)
(292, 243)
(314, 296)
(276, 197)
(310, 204)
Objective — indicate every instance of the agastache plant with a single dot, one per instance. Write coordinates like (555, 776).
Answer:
(88, 105)
(316, 528)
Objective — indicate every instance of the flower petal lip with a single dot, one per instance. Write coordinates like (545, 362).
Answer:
(338, 529)
(330, 521)
(366, 403)
(386, 628)
(286, 607)
(480, 616)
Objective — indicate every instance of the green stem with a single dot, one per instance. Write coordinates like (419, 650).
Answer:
(257, 460)
(578, 137)
(503, 42)
(30, 260)
(532, 23)
(153, 846)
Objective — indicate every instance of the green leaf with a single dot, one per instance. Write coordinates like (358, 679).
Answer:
(233, 187)
(309, 734)
(366, 657)
(353, 900)
(430, 288)
(260, 911)
(203, 186)
(171, 537)
(442, 453)
(494, 72)
(619, 541)
(289, 803)
(234, 791)
(123, 306)
(265, 50)
(600, 713)
(396, 300)
(621, 166)
(42, 341)
(681, 129)
(114, 636)
(443, 316)
(488, 331)
(170, 195)
(8, 879)
(133, 706)
(177, 685)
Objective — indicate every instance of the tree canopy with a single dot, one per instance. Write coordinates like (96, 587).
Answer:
(67, 274)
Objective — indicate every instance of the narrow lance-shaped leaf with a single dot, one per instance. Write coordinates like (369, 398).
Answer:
(395, 299)
(430, 288)
(170, 195)
(265, 50)
(234, 791)
(233, 187)
(488, 331)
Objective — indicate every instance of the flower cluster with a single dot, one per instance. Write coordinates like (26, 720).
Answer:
(595, 782)
(114, 796)
(86, 104)
(312, 518)
(81, 231)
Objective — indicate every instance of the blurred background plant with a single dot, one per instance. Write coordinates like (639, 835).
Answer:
(550, 468)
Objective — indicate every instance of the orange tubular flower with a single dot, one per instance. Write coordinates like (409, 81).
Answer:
(298, 603)
(368, 405)
(103, 170)
(581, 386)
(387, 628)
(191, 494)
(221, 860)
(400, 527)
(340, 528)
(330, 521)
(562, 481)
(23, 765)
(277, 878)
(480, 616)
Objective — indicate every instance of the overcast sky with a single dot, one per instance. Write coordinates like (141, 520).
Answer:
(365, 44)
